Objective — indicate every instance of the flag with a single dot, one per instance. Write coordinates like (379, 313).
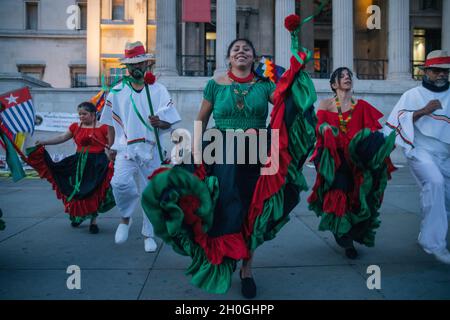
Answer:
(17, 113)
(267, 69)
(13, 161)
(196, 11)
(99, 100)
(19, 140)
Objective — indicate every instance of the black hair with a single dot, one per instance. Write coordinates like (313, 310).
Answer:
(88, 106)
(337, 74)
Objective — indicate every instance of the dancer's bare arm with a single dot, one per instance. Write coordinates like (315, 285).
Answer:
(55, 140)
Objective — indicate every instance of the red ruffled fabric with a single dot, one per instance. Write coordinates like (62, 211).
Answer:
(364, 116)
(335, 202)
(234, 245)
(76, 207)
(268, 185)
(157, 171)
(229, 245)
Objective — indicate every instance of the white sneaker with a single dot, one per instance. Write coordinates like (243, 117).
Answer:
(150, 245)
(122, 232)
(442, 255)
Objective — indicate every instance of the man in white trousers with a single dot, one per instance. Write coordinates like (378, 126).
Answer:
(422, 121)
(133, 122)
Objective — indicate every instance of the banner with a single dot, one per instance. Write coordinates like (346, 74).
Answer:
(55, 121)
(196, 11)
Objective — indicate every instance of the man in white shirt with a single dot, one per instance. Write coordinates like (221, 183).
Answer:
(133, 132)
(422, 121)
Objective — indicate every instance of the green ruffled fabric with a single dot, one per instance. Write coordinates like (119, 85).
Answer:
(301, 142)
(160, 203)
(167, 217)
(375, 177)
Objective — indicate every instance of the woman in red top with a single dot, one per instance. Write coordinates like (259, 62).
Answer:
(352, 162)
(82, 180)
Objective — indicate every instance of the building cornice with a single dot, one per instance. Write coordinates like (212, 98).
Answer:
(52, 34)
(25, 79)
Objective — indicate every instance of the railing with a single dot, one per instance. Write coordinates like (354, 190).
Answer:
(80, 81)
(368, 69)
(196, 65)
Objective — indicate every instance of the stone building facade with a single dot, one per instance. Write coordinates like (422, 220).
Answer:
(378, 39)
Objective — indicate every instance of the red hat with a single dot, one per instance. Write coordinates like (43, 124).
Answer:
(135, 53)
(437, 59)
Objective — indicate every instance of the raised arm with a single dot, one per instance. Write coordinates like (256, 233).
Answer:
(55, 140)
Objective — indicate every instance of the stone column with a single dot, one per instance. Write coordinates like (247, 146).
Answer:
(343, 34)
(446, 25)
(399, 52)
(283, 8)
(140, 21)
(307, 32)
(93, 43)
(166, 38)
(225, 31)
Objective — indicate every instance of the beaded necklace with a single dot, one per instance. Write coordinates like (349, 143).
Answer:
(343, 122)
(239, 92)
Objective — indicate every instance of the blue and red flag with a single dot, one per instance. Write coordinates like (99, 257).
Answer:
(17, 113)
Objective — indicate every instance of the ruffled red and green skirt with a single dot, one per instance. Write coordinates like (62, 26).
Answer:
(350, 182)
(218, 214)
(83, 200)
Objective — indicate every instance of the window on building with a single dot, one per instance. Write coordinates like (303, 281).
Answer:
(429, 5)
(425, 41)
(210, 50)
(77, 75)
(118, 9)
(32, 70)
(83, 15)
(31, 15)
(418, 52)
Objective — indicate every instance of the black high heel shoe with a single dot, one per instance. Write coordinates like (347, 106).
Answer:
(93, 228)
(75, 224)
(248, 287)
(346, 242)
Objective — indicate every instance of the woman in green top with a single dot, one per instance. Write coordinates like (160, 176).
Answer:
(237, 100)
(218, 212)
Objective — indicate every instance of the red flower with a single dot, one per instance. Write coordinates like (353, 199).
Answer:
(292, 22)
(85, 141)
(149, 78)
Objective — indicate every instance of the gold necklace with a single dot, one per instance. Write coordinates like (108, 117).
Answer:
(241, 93)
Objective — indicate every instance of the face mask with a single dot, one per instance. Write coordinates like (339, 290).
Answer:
(136, 72)
(435, 86)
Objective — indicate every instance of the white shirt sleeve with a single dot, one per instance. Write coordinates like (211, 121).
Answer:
(106, 116)
(401, 120)
(166, 110)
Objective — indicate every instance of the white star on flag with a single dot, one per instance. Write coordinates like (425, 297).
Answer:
(12, 99)
(17, 113)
